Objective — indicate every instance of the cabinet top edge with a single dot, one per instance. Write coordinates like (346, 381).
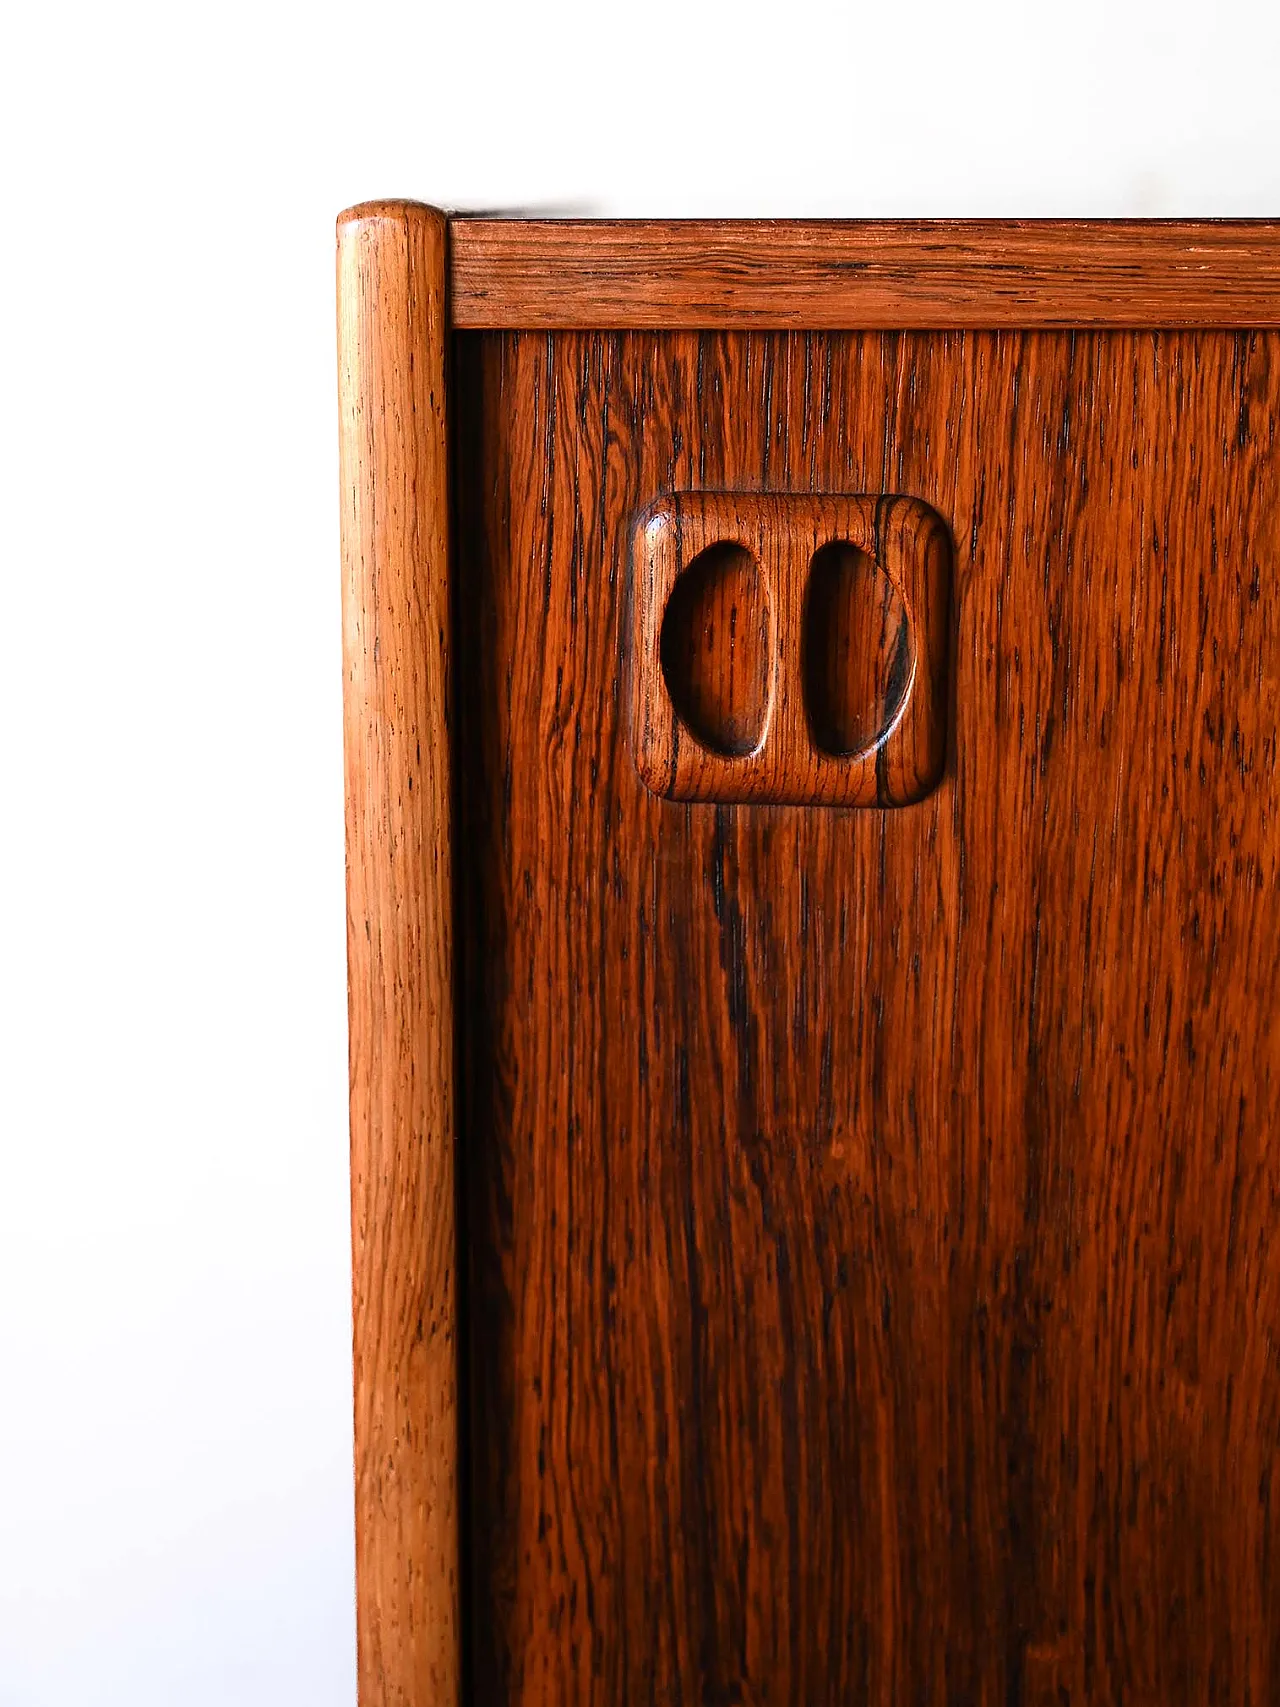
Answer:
(862, 275)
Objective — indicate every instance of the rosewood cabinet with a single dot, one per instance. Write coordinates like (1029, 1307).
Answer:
(812, 698)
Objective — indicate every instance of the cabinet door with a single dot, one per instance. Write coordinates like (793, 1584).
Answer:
(867, 1210)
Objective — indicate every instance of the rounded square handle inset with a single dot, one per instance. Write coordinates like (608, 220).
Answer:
(789, 648)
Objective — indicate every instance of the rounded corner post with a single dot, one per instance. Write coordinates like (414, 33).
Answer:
(394, 211)
(393, 459)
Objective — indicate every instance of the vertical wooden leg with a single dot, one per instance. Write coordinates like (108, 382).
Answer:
(392, 331)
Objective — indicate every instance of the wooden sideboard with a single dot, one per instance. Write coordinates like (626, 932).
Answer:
(812, 719)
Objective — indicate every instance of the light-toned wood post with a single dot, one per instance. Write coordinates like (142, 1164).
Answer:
(392, 332)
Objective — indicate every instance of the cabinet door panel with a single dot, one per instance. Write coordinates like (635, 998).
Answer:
(867, 1211)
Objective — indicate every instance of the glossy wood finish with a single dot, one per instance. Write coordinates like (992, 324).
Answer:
(869, 1213)
(802, 698)
(863, 275)
(394, 474)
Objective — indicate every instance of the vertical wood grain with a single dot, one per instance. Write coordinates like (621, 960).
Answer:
(391, 344)
(870, 1213)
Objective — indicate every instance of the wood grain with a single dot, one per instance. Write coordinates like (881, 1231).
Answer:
(863, 275)
(869, 1213)
(787, 538)
(394, 473)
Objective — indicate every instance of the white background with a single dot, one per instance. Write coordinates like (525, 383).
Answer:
(175, 1521)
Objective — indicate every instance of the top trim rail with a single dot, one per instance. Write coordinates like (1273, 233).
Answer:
(575, 274)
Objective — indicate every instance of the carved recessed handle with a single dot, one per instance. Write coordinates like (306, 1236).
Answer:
(790, 648)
